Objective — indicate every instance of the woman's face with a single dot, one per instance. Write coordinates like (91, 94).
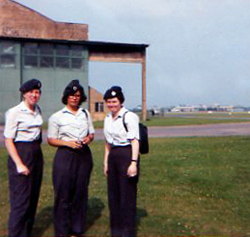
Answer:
(114, 105)
(32, 97)
(74, 100)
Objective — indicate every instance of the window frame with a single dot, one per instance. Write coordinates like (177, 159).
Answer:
(12, 54)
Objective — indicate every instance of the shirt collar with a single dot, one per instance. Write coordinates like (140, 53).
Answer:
(66, 110)
(25, 108)
(122, 111)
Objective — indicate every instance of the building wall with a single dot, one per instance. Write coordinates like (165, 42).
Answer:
(24, 26)
(28, 65)
(96, 97)
(9, 84)
(17, 20)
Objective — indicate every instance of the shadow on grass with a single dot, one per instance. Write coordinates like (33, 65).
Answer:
(45, 217)
(43, 221)
(95, 207)
(140, 214)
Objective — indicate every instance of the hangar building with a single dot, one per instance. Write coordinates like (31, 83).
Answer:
(34, 46)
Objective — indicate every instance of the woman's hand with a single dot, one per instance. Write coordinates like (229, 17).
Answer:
(22, 169)
(74, 144)
(132, 170)
(87, 140)
(106, 158)
(106, 169)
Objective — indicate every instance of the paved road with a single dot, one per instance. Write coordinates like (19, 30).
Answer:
(208, 130)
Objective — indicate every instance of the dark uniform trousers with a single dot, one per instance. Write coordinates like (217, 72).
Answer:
(24, 190)
(71, 175)
(122, 193)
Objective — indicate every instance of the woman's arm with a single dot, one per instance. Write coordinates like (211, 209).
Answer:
(21, 168)
(106, 155)
(87, 140)
(132, 169)
(58, 143)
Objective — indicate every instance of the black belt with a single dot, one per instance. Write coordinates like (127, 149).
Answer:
(28, 142)
(118, 146)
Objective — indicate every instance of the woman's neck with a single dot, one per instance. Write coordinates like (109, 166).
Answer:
(72, 109)
(115, 114)
(31, 107)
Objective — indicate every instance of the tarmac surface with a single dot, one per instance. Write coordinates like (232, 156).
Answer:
(207, 130)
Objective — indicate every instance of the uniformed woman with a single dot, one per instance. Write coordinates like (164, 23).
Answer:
(121, 163)
(71, 130)
(23, 128)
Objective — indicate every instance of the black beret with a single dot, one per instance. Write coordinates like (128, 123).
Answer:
(72, 88)
(30, 85)
(114, 91)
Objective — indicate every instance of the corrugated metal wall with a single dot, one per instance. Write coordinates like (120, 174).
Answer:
(54, 66)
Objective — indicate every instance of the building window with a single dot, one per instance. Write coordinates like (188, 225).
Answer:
(46, 55)
(76, 51)
(62, 62)
(31, 48)
(99, 107)
(76, 63)
(31, 55)
(46, 62)
(7, 54)
(62, 50)
(77, 57)
(46, 49)
(62, 56)
(30, 61)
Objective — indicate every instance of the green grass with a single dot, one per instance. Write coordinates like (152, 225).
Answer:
(188, 187)
(175, 119)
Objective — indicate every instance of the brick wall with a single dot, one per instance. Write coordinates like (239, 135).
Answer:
(17, 20)
(95, 96)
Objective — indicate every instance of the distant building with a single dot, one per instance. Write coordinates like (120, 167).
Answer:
(200, 108)
(183, 109)
(97, 106)
(155, 111)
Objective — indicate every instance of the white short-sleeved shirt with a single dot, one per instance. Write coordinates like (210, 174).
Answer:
(23, 124)
(115, 132)
(64, 125)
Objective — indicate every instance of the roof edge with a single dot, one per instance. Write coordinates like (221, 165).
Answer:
(86, 42)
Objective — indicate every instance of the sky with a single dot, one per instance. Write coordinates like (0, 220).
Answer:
(199, 50)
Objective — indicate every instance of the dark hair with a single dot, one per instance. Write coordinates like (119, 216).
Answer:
(114, 91)
(71, 89)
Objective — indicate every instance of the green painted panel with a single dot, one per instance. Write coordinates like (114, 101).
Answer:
(53, 83)
(54, 80)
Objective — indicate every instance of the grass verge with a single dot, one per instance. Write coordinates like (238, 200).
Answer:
(175, 119)
(188, 187)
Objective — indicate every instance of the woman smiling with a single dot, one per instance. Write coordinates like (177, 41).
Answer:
(23, 136)
(121, 163)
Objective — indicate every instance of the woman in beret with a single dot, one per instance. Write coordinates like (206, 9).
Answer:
(121, 163)
(71, 130)
(23, 136)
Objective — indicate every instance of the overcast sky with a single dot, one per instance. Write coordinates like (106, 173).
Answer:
(199, 50)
